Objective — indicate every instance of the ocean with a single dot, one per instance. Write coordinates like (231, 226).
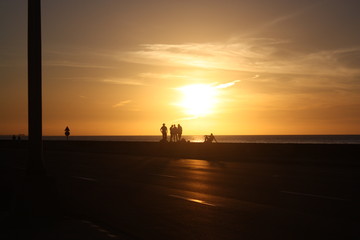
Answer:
(298, 139)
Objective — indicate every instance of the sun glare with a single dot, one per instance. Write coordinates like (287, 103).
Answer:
(198, 99)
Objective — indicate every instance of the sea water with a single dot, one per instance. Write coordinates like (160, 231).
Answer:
(300, 139)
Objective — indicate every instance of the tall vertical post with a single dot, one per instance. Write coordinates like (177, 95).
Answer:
(35, 161)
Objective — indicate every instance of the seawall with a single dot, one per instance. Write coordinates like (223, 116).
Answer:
(337, 154)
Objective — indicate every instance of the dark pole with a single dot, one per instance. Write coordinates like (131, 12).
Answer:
(35, 161)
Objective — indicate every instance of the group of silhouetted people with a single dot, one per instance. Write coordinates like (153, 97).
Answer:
(175, 133)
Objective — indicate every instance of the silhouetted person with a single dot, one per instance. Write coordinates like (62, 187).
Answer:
(163, 130)
(67, 132)
(210, 139)
(179, 132)
(14, 137)
(175, 133)
(172, 133)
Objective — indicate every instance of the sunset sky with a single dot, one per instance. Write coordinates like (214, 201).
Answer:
(124, 67)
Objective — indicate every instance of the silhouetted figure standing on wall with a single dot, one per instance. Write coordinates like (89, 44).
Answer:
(67, 132)
(175, 133)
(179, 132)
(171, 133)
(163, 130)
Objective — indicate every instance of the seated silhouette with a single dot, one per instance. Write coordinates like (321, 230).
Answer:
(210, 138)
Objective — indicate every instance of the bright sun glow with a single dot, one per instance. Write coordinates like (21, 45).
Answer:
(198, 99)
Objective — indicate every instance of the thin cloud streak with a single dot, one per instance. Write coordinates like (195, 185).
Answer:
(124, 82)
(226, 85)
(122, 103)
(293, 15)
(278, 20)
(162, 76)
(250, 55)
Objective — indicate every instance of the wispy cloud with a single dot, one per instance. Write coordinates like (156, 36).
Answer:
(248, 55)
(124, 82)
(294, 14)
(185, 76)
(299, 12)
(229, 84)
(162, 76)
(232, 55)
(122, 103)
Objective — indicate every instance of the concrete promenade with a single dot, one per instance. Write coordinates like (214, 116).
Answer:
(152, 191)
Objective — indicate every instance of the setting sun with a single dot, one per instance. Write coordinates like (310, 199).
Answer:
(198, 99)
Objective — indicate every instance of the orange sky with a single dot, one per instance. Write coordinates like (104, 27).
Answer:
(228, 67)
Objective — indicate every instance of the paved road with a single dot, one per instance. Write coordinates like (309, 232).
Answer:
(165, 198)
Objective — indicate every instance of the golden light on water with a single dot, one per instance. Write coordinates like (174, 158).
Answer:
(198, 99)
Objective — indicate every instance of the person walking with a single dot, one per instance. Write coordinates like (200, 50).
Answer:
(163, 130)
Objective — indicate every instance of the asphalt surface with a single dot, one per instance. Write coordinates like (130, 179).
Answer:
(174, 198)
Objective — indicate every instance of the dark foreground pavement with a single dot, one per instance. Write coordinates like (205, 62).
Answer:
(118, 196)
(62, 228)
(19, 220)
